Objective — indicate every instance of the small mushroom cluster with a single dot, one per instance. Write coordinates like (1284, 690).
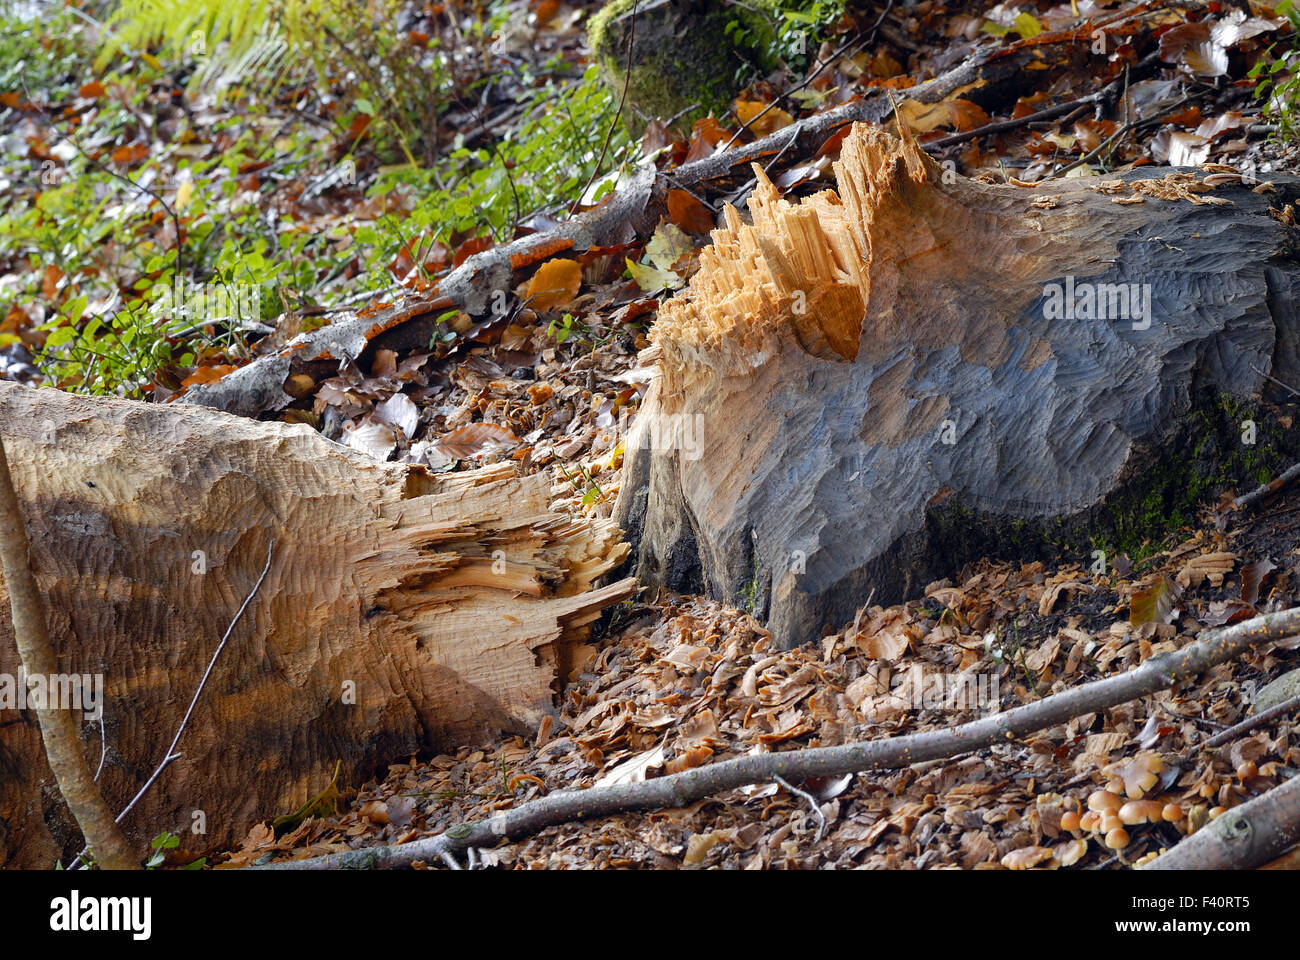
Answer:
(1123, 804)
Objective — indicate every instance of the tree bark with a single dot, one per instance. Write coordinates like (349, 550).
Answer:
(401, 612)
(864, 390)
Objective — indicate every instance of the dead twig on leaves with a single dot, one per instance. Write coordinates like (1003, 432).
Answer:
(813, 805)
(681, 789)
(1263, 490)
(1251, 723)
(58, 730)
(1106, 93)
(1242, 838)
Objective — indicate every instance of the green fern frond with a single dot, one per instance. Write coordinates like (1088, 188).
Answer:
(234, 39)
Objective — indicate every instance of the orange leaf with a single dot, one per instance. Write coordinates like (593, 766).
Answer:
(555, 284)
(129, 154)
(688, 212)
(50, 281)
(966, 116)
(546, 11)
(359, 126)
(92, 89)
(706, 134)
(207, 374)
(469, 248)
(759, 119)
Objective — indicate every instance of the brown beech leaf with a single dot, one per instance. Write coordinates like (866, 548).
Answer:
(476, 439)
(1159, 604)
(966, 115)
(688, 213)
(1252, 576)
(1212, 129)
(1192, 46)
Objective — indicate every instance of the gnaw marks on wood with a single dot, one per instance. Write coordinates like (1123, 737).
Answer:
(882, 376)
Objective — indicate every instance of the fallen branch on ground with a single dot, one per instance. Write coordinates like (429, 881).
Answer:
(1245, 837)
(1250, 723)
(682, 789)
(1263, 490)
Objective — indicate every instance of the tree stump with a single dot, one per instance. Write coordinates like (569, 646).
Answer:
(401, 612)
(859, 392)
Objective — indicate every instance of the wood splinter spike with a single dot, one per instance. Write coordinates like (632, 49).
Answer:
(863, 390)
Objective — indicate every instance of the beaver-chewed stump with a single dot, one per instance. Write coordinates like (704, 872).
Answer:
(860, 392)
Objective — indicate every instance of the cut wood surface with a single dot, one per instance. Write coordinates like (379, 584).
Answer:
(861, 391)
(400, 612)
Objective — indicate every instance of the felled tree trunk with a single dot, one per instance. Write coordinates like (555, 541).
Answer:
(859, 392)
(400, 612)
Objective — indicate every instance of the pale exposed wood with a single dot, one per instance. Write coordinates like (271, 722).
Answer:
(383, 627)
(876, 379)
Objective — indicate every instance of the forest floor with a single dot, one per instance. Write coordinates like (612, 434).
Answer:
(676, 682)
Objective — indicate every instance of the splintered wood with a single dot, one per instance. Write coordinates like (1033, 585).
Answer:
(401, 612)
(802, 267)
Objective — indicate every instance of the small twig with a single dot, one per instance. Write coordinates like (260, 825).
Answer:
(514, 193)
(1250, 723)
(1273, 379)
(1107, 145)
(812, 803)
(618, 114)
(1203, 720)
(103, 745)
(1246, 499)
(781, 153)
(1047, 113)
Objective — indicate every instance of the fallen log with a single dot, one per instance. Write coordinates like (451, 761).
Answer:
(867, 389)
(682, 789)
(401, 612)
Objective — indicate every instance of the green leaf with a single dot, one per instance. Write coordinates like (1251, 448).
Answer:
(75, 308)
(1027, 26)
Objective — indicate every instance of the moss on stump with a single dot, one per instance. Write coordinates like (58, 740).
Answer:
(689, 58)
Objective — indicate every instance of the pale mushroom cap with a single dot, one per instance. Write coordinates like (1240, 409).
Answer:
(1117, 839)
